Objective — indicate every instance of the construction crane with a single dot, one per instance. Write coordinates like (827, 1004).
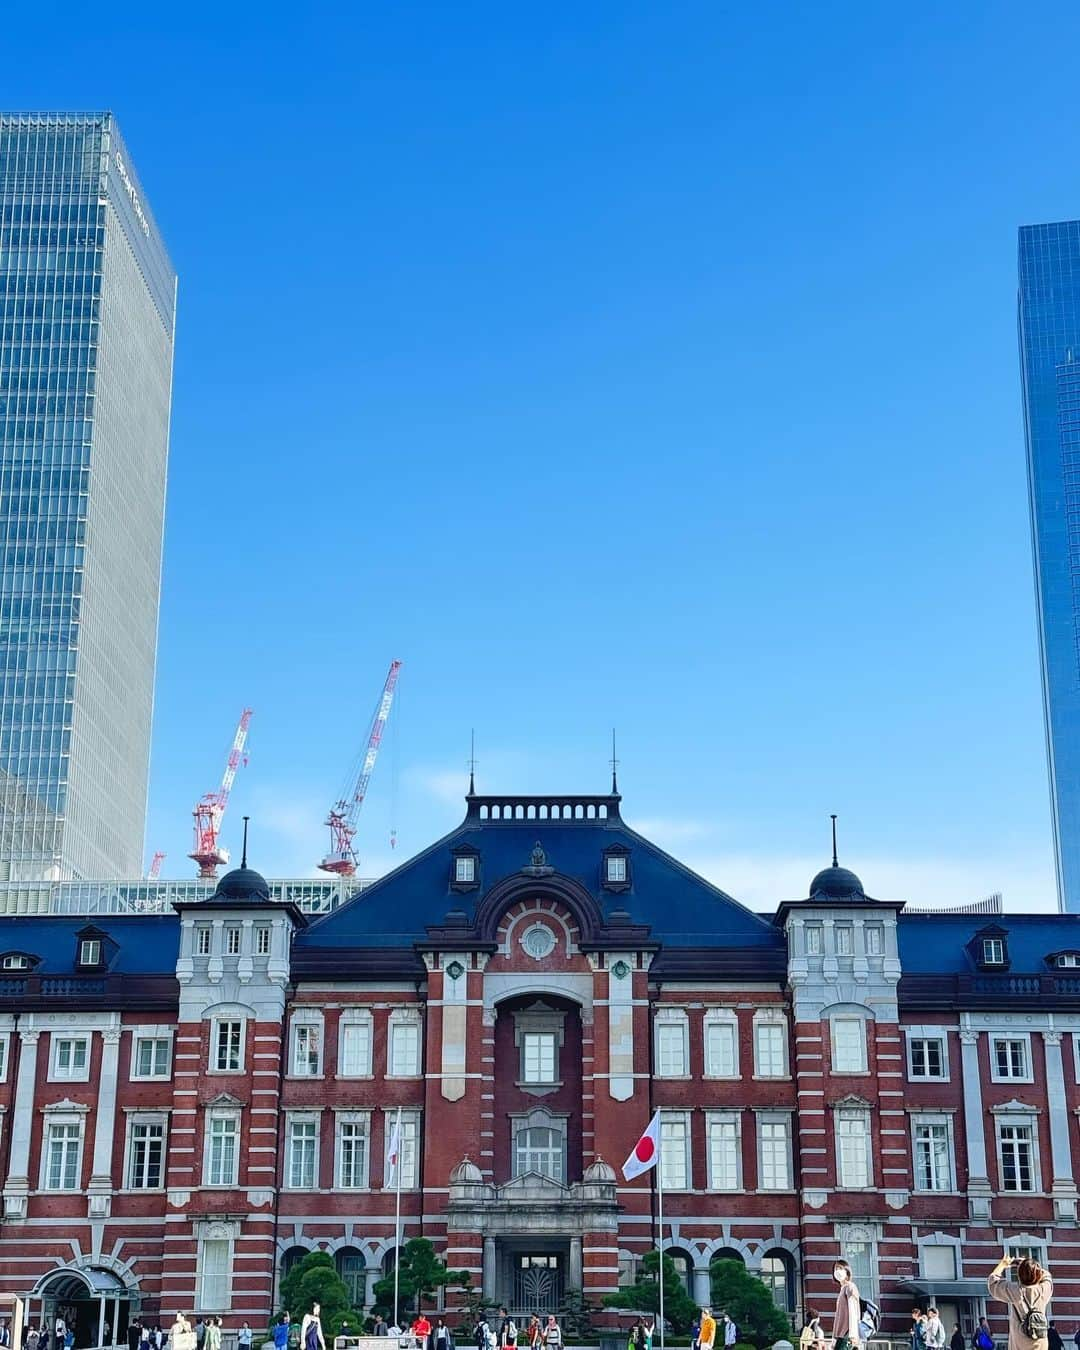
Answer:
(155, 866)
(210, 808)
(343, 815)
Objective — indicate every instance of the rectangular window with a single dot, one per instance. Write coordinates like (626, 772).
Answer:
(222, 1149)
(229, 1046)
(152, 1055)
(933, 1156)
(262, 940)
(353, 1155)
(862, 1258)
(774, 1154)
(926, 1057)
(675, 1151)
(538, 1057)
(815, 943)
(937, 1261)
(1009, 1058)
(3, 1056)
(71, 1057)
(671, 1050)
(62, 1153)
(616, 868)
(993, 950)
(408, 1148)
(853, 1150)
(725, 1150)
(303, 1143)
(307, 1040)
(875, 940)
(146, 1155)
(215, 1274)
(848, 1045)
(720, 1045)
(404, 1049)
(202, 940)
(845, 943)
(465, 870)
(90, 952)
(232, 939)
(770, 1050)
(355, 1059)
(1017, 1157)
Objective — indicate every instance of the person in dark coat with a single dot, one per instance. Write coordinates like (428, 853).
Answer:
(956, 1341)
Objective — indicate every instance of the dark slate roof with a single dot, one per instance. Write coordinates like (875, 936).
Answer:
(937, 944)
(681, 908)
(147, 944)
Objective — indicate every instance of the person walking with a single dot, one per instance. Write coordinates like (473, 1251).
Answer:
(846, 1316)
(1053, 1337)
(552, 1334)
(731, 1331)
(918, 1329)
(32, 1338)
(956, 1341)
(1027, 1298)
(311, 1332)
(213, 1334)
(441, 1338)
(380, 1328)
(244, 1336)
(508, 1332)
(483, 1331)
(706, 1330)
(200, 1332)
(935, 1330)
(984, 1337)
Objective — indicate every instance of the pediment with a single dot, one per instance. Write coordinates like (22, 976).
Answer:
(531, 1185)
(224, 1099)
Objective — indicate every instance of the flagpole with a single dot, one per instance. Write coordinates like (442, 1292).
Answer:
(660, 1223)
(397, 1214)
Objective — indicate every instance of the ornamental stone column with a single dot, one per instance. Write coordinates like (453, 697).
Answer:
(99, 1192)
(17, 1184)
(1064, 1187)
(979, 1190)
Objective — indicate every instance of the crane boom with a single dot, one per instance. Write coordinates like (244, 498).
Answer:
(155, 866)
(343, 815)
(210, 808)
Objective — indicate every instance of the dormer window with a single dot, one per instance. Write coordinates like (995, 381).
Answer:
(464, 869)
(615, 868)
(90, 952)
(1065, 960)
(990, 948)
(15, 961)
(993, 951)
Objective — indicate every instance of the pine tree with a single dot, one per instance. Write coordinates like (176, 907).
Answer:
(749, 1304)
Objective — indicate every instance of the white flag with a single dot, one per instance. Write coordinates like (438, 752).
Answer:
(645, 1152)
(393, 1149)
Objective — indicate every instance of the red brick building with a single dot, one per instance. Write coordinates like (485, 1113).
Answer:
(189, 1104)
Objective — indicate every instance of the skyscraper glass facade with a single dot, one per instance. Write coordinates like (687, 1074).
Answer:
(87, 304)
(1049, 324)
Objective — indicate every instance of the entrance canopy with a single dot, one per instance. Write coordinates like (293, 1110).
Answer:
(75, 1282)
(945, 1288)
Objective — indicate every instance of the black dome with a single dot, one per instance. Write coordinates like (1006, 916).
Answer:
(243, 886)
(836, 883)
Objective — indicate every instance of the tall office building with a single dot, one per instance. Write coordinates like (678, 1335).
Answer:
(1049, 324)
(87, 302)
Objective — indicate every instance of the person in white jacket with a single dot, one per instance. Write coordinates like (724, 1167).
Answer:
(934, 1330)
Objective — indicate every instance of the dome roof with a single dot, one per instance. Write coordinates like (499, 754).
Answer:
(836, 883)
(466, 1170)
(599, 1171)
(243, 886)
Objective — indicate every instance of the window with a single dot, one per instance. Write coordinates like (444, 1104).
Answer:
(538, 1057)
(203, 935)
(465, 870)
(725, 1151)
(354, 1056)
(848, 1045)
(303, 1150)
(146, 1154)
(721, 1049)
(671, 1049)
(770, 1050)
(232, 939)
(90, 952)
(151, 1056)
(1032, 1250)
(815, 939)
(404, 1048)
(262, 939)
(774, 1152)
(222, 1147)
(307, 1043)
(777, 1276)
(1010, 1059)
(214, 1277)
(15, 961)
(933, 1155)
(1016, 1156)
(1067, 960)
(350, 1268)
(4, 1041)
(63, 1150)
(352, 1152)
(861, 1254)
(926, 1057)
(616, 867)
(675, 1150)
(993, 951)
(539, 1148)
(875, 939)
(229, 1046)
(845, 939)
(408, 1149)
(937, 1261)
(853, 1162)
(71, 1058)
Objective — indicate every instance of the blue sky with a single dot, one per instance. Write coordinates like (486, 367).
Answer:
(615, 364)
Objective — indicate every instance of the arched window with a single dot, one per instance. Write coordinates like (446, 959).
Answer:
(350, 1267)
(778, 1275)
(290, 1258)
(682, 1264)
(539, 1148)
(729, 1254)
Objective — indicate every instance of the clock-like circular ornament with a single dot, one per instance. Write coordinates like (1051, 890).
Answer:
(538, 941)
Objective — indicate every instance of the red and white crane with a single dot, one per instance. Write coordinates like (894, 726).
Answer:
(210, 808)
(155, 866)
(343, 815)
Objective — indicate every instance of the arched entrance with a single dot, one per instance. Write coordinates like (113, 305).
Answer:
(93, 1302)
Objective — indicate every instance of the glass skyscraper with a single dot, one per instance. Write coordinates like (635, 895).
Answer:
(1049, 323)
(87, 303)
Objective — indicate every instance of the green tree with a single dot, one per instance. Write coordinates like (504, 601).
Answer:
(575, 1315)
(749, 1304)
(315, 1280)
(644, 1294)
(476, 1306)
(420, 1274)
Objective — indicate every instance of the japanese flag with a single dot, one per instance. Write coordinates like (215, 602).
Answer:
(393, 1149)
(645, 1152)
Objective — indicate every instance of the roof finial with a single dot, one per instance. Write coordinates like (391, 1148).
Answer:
(833, 819)
(614, 767)
(472, 762)
(243, 859)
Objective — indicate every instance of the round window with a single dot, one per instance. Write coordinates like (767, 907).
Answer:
(538, 941)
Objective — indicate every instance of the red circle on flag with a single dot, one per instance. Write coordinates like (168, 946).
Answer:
(645, 1149)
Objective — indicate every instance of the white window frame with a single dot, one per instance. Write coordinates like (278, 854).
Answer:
(671, 1026)
(73, 1075)
(1023, 1037)
(998, 944)
(671, 1124)
(845, 931)
(355, 1018)
(309, 1121)
(212, 1114)
(771, 1020)
(727, 1127)
(538, 1120)
(936, 1120)
(15, 961)
(302, 1025)
(847, 1021)
(215, 1037)
(616, 869)
(937, 1242)
(846, 1115)
(848, 1236)
(156, 1034)
(816, 932)
(534, 1069)
(1025, 1244)
(404, 1019)
(90, 952)
(729, 1020)
(216, 1233)
(135, 1120)
(351, 1119)
(465, 869)
(874, 939)
(204, 939)
(772, 1119)
(1017, 1119)
(65, 1120)
(929, 1033)
(234, 931)
(263, 931)
(411, 1143)
(5, 1054)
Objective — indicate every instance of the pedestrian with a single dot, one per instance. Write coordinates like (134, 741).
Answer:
(984, 1337)
(69, 1338)
(534, 1333)
(731, 1331)
(846, 1317)
(812, 1337)
(441, 1338)
(918, 1329)
(33, 1340)
(637, 1335)
(421, 1330)
(311, 1332)
(934, 1331)
(482, 1333)
(508, 1332)
(244, 1336)
(1053, 1338)
(200, 1333)
(181, 1336)
(1076, 1338)
(281, 1332)
(1028, 1299)
(552, 1334)
(213, 1334)
(956, 1341)
(106, 1333)
(706, 1330)
(380, 1327)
